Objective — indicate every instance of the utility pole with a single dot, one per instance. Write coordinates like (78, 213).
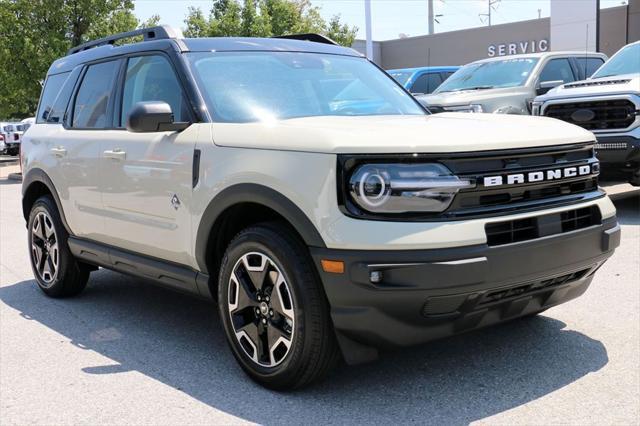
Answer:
(490, 7)
(367, 18)
(430, 6)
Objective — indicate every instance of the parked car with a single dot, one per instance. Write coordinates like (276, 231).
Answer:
(608, 104)
(326, 212)
(422, 80)
(508, 84)
(11, 137)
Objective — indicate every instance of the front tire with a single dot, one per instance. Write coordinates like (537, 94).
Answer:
(57, 272)
(274, 311)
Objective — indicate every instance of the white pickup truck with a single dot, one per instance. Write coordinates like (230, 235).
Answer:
(608, 104)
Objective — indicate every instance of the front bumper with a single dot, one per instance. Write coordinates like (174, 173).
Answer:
(618, 152)
(429, 294)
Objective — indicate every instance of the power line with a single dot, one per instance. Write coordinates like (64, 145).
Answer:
(490, 7)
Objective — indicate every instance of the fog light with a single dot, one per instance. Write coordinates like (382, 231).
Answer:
(375, 276)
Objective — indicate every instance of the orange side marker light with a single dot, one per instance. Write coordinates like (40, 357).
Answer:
(333, 266)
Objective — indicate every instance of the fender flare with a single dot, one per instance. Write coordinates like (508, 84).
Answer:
(258, 194)
(38, 175)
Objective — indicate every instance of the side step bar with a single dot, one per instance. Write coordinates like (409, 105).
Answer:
(165, 273)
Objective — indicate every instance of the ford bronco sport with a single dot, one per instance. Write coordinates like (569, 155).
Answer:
(308, 193)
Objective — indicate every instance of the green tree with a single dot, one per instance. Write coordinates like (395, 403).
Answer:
(265, 18)
(33, 33)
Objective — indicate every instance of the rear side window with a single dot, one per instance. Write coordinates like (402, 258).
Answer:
(151, 78)
(426, 83)
(90, 110)
(52, 88)
(592, 65)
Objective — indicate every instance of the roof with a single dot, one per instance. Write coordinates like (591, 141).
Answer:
(434, 69)
(214, 44)
(539, 55)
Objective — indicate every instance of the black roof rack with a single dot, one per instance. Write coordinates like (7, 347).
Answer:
(162, 32)
(316, 38)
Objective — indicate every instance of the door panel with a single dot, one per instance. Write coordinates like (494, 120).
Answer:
(143, 173)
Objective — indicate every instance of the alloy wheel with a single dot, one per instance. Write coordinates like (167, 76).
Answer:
(44, 248)
(261, 309)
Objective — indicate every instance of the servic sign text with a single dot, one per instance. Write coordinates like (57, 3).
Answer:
(516, 48)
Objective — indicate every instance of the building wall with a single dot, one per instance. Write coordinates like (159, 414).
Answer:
(633, 21)
(460, 47)
(464, 46)
(613, 29)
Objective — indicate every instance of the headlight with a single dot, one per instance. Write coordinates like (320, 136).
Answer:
(466, 108)
(404, 188)
(535, 108)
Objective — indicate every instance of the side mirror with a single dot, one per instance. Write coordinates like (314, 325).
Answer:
(544, 86)
(153, 116)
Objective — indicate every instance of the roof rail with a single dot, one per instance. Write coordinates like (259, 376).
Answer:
(316, 38)
(162, 32)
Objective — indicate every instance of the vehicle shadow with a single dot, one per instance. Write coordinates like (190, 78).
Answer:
(178, 340)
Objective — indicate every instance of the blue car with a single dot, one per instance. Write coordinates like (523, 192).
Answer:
(422, 80)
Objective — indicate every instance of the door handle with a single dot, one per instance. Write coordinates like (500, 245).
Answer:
(116, 154)
(59, 151)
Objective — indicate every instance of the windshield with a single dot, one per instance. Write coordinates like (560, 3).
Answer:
(626, 61)
(400, 76)
(489, 75)
(261, 86)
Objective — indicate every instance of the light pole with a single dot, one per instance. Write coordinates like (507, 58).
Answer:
(367, 18)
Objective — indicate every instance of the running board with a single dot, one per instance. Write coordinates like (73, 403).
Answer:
(165, 273)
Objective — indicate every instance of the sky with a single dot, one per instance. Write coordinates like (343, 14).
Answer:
(389, 18)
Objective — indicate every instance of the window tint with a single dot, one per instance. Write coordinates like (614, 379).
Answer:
(588, 66)
(426, 83)
(92, 100)
(420, 85)
(557, 69)
(592, 65)
(447, 74)
(52, 88)
(151, 78)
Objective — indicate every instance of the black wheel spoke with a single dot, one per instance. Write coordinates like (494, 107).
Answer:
(281, 299)
(244, 296)
(44, 247)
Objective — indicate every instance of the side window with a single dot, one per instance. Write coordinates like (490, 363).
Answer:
(420, 85)
(52, 88)
(151, 78)
(446, 75)
(92, 101)
(592, 65)
(433, 81)
(557, 69)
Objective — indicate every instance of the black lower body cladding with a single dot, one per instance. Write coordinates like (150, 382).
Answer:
(401, 298)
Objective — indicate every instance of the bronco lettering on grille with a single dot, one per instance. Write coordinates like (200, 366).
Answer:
(540, 176)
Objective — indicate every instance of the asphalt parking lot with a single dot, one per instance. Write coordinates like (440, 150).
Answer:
(127, 352)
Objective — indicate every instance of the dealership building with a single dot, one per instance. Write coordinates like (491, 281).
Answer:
(607, 30)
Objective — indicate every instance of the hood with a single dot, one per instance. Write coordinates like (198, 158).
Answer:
(446, 132)
(627, 83)
(466, 97)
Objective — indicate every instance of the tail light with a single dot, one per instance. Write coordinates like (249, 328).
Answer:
(16, 137)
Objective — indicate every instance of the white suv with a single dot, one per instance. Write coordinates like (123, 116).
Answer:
(308, 193)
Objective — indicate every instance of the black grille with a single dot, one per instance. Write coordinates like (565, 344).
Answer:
(609, 114)
(515, 231)
(491, 201)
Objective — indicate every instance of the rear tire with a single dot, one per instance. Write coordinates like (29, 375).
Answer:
(635, 178)
(57, 272)
(274, 310)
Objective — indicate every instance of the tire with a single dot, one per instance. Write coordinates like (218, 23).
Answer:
(635, 178)
(281, 334)
(57, 272)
